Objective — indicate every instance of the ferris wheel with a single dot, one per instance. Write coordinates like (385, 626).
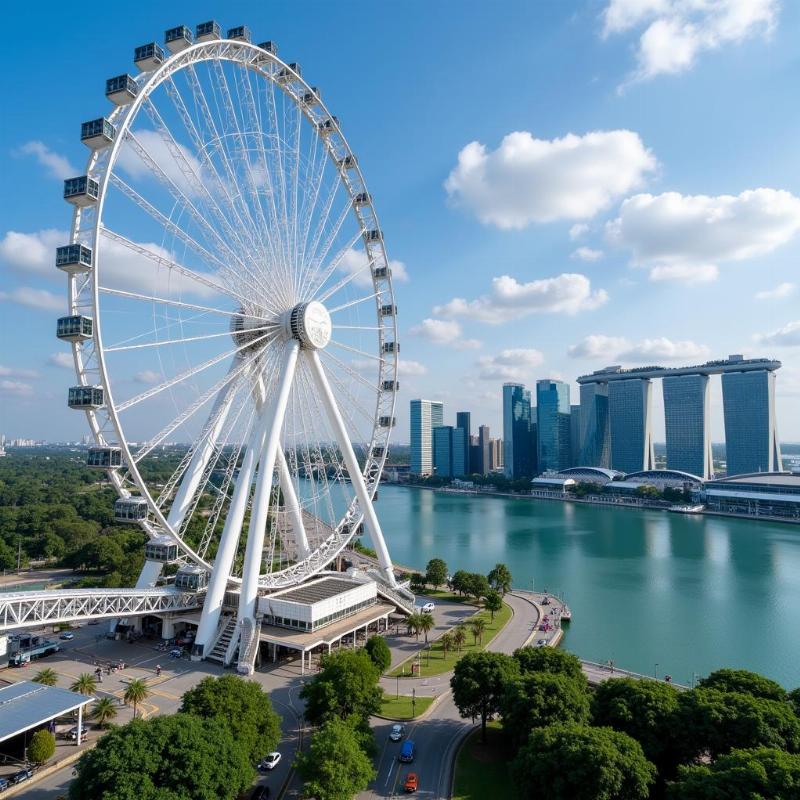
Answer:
(231, 315)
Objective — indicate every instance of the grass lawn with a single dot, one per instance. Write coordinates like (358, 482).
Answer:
(446, 594)
(438, 663)
(400, 707)
(482, 770)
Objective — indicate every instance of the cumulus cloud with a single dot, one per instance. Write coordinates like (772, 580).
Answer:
(675, 32)
(356, 262)
(528, 180)
(64, 360)
(32, 252)
(578, 230)
(787, 336)
(17, 372)
(781, 291)
(147, 376)
(57, 166)
(40, 299)
(685, 237)
(509, 299)
(509, 365)
(587, 254)
(128, 159)
(16, 388)
(441, 331)
(618, 348)
(408, 368)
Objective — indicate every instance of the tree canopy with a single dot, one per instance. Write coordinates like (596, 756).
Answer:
(493, 602)
(242, 706)
(172, 757)
(436, 572)
(744, 681)
(549, 659)
(42, 746)
(500, 578)
(577, 762)
(379, 652)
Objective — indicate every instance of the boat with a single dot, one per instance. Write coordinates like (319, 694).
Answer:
(698, 509)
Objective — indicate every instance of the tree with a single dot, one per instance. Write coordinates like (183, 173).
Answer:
(479, 682)
(493, 602)
(85, 683)
(379, 652)
(458, 583)
(794, 698)
(548, 659)
(103, 711)
(459, 637)
(174, 757)
(644, 710)
(413, 621)
(346, 686)
(46, 676)
(446, 640)
(335, 767)
(744, 681)
(137, 691)
(576, 762)
(436, 572)
(763, 773)
(477, 586)
(417, 582)
(242, 706)
(717, 722)
(477, 626)
(42, 746)
(500, 578)
(426, 624)
(539, 699)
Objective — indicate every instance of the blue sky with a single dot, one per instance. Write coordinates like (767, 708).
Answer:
(568, 184)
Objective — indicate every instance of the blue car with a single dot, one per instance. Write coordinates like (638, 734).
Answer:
(407, 752)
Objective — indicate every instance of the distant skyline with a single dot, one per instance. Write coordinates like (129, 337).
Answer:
(619, 197)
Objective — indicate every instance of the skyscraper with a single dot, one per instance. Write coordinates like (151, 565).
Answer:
(631, 436)
(552, 418)
(595, 432)
(425, 415)
(517, 431)
(484, 447)
(751, 435)
(463, 422)
(448, 451)
(575, 435)
(686, 417)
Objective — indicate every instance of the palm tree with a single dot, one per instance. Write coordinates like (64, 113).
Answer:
(105, 709)
(426, 623)
(85, 683)
(413, 622)
(477, 626)
(459, 637)
(46, 676)
(446, 640)
(137, 692)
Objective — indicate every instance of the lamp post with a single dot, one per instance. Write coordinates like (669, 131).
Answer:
(413, 703)
(655, 671)
(397, 678)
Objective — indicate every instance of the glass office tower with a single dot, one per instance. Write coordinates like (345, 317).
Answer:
(629, 415)
(595, 449)
(448, 451)
(575, 436)
(517, 450)
(425, 416)
(686, 417)
(463, 422)
(552, 425)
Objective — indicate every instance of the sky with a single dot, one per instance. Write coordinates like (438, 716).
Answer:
(566, 184)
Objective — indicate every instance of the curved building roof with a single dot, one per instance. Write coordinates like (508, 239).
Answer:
(597, 472)
(664, 475)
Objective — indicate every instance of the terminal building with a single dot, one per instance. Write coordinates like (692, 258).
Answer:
(772, 494)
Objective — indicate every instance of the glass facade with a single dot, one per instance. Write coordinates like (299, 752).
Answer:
(552, 425)
(751, 437)
(448, 451)
(629, 415)
(575, 435)
(594, 426)
(686, 417)
(518, 437)
(463, 421)
(425, 416)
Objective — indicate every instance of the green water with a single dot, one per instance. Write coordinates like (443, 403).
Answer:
(687, 593)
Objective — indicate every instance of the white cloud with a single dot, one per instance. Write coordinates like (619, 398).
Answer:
(685, 237)
(677, 31)
(58, 166)
(33, 252)
(17, 372)
(787, 336)
(587, 254)
(529, 180)
(509, 365)
(781, 291)
(441, 331)
(578, 230)
(128, 159)
(611, 349)
(64, 360)
(510, 300)
(35, 298)
(16, 388)
(147, 376)
(355, 261)
(408, 368)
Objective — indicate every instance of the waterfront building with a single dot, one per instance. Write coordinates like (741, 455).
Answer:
(517, 450)
(629, 415)
(773, 494)
(751, 434)
(552, 426)
(448, 451)
(463, 422)
(686, 418)
(496, 455)
(595, 432)
(600, 476)
(425, 416)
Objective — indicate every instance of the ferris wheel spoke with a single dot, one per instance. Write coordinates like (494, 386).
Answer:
(149, 298)
(315, 172)
(357, 352)
(353, 374)
(353, 303)
(184, 340)
(352, 404)
(280, 206)
(330, 269)
(314, 256)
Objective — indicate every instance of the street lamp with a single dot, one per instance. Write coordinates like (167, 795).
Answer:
(655, 671)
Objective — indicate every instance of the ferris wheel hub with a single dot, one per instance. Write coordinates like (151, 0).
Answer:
(310, 323)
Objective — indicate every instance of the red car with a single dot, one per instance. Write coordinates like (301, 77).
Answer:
(412, 782)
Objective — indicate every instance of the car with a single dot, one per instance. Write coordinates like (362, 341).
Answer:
(21, 776)
(412, 782)
(541, 642)
(4, 784)
(176, 652)
(270, 761)
(545, 601)
(428, 608)
(260, 793)
(407, 752)
(72, 733)
(67, 635)
(396, 734)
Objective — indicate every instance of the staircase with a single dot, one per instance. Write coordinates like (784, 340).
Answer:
(248, 646)
(402, 598)
(223, 640)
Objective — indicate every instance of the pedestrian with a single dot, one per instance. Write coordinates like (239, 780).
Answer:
(158, 670)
